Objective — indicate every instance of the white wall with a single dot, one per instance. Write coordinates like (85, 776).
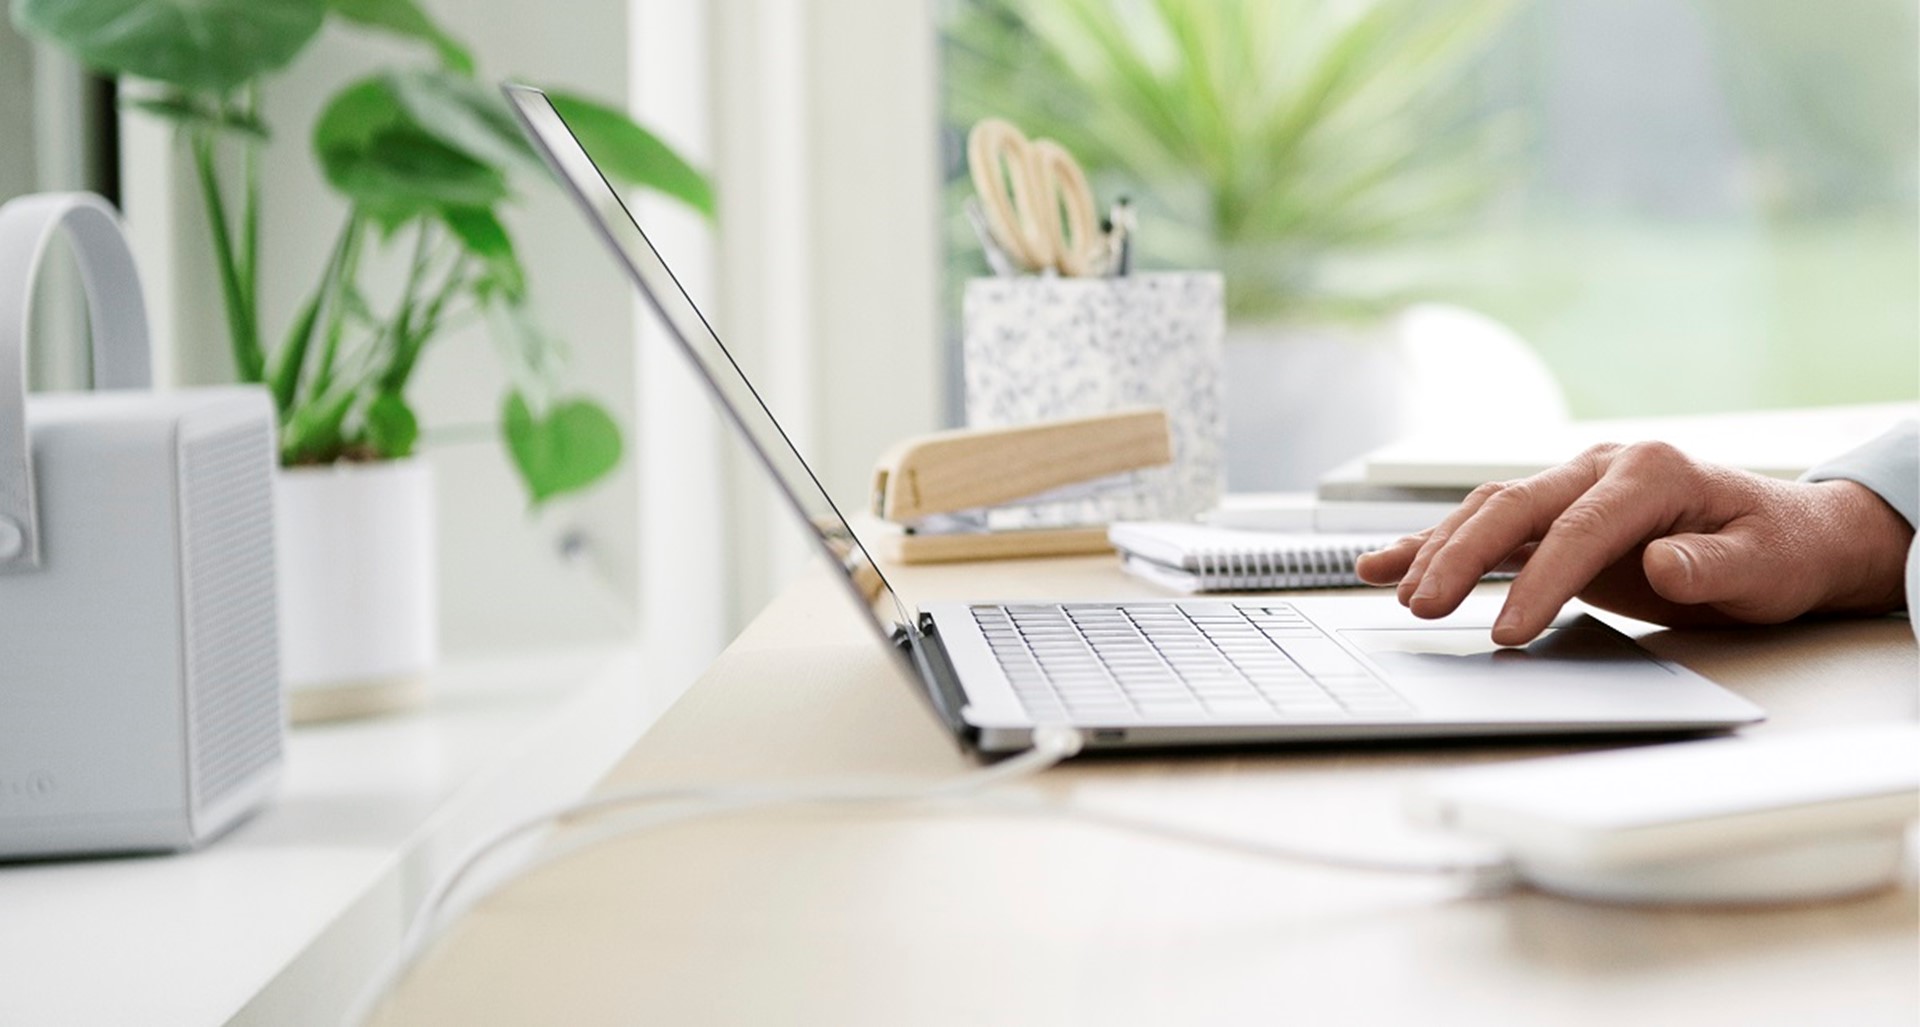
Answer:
(828, 162)
(684, 550)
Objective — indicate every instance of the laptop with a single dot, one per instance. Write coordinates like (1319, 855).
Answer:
(1167, 672)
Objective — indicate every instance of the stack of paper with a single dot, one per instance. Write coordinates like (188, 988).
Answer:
(1776, 443)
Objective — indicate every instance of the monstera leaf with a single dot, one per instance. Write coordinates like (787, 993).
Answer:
(482, 235)
(631, 154)
(378, 155)
(200, 45)
(465, 115)
(194, 109)
(405, 18)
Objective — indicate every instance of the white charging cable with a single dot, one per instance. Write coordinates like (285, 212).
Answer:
(678, 805)
(686, 803)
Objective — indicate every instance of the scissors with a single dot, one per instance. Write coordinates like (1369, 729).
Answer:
(1037, 204)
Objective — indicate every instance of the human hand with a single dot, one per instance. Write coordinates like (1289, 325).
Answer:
(1645, 531)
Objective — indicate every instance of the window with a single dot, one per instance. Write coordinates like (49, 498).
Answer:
(1681, 206)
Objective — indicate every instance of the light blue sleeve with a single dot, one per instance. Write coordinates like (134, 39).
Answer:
(1890, 466)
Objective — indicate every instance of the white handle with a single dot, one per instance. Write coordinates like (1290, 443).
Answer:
(117, 319)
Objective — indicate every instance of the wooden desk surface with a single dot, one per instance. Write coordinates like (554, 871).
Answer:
(842, 918)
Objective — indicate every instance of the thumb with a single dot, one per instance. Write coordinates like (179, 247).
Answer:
(1727, 568)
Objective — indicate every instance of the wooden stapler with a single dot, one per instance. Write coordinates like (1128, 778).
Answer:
(937, 494)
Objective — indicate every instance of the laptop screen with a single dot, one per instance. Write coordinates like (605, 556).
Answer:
(735, 394)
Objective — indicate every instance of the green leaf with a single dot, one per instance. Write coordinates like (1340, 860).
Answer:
(201, 45)
(532, 359)
(392, 429)
(405, 18)
(322, 318)
(189, 110)
(464, 115)
(312, 433)
(575, 444)
(285, 377)
(374, 154)
(630, 153)
(355, 310)
(483, 236)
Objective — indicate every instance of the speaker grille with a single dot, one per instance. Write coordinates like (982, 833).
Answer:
(233, 653)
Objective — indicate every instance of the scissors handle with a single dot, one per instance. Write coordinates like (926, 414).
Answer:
(1039, 207)
(999, 158)
(1067, 209)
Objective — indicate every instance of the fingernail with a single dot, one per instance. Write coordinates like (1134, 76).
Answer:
(1508, 621)
(1684, 560)
(1429, 587)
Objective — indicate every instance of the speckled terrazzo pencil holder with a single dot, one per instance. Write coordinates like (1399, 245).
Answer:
(1038, 348)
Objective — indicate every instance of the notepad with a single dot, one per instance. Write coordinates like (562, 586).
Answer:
(1198, 558)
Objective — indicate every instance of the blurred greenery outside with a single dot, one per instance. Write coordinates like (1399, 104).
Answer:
(1752, 242)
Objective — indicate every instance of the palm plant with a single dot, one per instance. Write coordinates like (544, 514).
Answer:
(1265, 137)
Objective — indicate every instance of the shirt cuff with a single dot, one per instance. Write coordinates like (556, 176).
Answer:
(1889, 465)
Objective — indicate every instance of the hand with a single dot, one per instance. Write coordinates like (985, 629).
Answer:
(1644, 531)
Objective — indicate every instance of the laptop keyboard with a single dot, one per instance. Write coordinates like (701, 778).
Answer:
(1142, 662)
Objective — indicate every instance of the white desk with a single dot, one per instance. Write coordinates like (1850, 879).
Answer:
(819, 918)
(278, 922)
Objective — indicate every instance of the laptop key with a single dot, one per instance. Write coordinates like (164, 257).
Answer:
(1121, 662)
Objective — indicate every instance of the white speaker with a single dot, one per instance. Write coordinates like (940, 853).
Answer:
(140, 703)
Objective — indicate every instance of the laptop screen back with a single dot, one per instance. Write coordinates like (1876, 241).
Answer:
(736, 395)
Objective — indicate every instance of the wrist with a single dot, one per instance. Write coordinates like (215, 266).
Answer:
(1871, 540)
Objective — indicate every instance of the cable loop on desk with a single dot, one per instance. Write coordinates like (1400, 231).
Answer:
(963, 794)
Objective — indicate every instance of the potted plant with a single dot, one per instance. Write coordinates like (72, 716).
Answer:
(425, 158)
(1275, 141)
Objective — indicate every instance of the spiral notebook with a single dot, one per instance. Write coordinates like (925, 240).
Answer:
(1199, 558)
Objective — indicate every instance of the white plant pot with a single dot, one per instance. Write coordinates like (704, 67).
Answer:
(1304, 399)
(359, 617)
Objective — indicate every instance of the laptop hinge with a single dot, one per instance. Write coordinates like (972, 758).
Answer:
(929, 658)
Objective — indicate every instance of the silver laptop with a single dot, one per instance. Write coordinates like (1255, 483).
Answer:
(1161, 672)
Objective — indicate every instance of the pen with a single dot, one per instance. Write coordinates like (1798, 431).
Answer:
(997, 258)
(1120, 225)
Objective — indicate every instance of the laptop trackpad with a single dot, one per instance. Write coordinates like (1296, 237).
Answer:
(1577, 649)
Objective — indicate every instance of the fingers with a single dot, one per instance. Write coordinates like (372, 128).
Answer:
(1437, 536)
(1738, 571)
(1640, 494)
(1782, 549)
(1509, 517)
(1686, 568)
(1389, 565)
(1603, 526)
(1516, 559)
(1397, 562)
